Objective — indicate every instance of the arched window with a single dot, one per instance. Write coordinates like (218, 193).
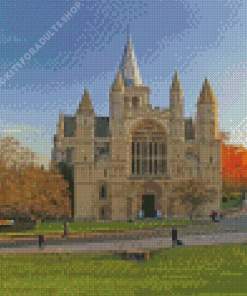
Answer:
(135, 102)
(102, 193)
(102, 213)
(127, 102)
(69, 155)
(149, 150)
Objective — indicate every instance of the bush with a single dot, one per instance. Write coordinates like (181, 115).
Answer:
(18, 226)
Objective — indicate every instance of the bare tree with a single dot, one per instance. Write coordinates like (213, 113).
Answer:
(192, 193)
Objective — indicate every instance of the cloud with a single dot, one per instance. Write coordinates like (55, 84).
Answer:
(36, 138)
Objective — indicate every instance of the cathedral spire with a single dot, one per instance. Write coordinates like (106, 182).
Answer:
(85, 105)
(128, 66)
(207, 94)
(176, 85)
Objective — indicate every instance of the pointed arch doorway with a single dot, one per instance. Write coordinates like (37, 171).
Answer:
(148, 206)
(150, 201)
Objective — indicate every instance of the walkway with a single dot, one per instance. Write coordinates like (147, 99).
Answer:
(122, 245)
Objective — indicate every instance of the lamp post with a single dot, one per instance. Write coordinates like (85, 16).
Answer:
(66, 228)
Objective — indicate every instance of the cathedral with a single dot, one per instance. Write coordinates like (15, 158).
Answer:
(126, 165)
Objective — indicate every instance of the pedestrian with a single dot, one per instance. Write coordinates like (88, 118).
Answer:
(214, 216)
(41, 241)
(174, 237)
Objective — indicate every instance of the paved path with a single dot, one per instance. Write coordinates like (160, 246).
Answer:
(148, 243)
(219, 236)
(234, 221)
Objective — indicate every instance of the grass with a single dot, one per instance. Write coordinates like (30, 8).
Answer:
(76, 227)
(230, 204)
(236, 200)
(199, 270)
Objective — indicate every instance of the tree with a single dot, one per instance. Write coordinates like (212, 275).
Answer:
(11, 153)
(192, 193)
(234, 169)
(67, 171)
(224, 136)
(32, 193)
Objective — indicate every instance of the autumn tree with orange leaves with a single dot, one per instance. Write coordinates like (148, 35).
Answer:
(234, 169)
(33, 193)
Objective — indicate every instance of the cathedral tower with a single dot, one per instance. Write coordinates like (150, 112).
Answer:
(128, 93)
(84, 157)
(177, 134)
(207, 123)
(209, 144)
(127, 96)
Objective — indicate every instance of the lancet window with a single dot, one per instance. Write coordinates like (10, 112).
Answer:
(149, 150)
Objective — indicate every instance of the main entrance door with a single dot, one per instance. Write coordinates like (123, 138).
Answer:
(148, 206)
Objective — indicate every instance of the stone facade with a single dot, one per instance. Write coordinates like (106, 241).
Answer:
(130, 161)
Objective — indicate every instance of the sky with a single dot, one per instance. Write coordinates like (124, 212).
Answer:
(51, 50)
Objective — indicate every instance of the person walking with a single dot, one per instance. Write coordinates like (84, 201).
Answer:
(174, 237)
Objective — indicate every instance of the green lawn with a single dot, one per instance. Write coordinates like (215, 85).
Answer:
(237, 200)
(76, 227)
(199, 270)
(230, 204)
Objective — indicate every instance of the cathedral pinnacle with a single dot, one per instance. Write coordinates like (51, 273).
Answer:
(207, 94)
(118, 82)
(176, 86)
(85, 104)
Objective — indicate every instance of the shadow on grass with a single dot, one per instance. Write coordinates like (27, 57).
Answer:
(161, 254)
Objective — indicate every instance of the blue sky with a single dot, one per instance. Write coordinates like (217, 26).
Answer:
(198, 38)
